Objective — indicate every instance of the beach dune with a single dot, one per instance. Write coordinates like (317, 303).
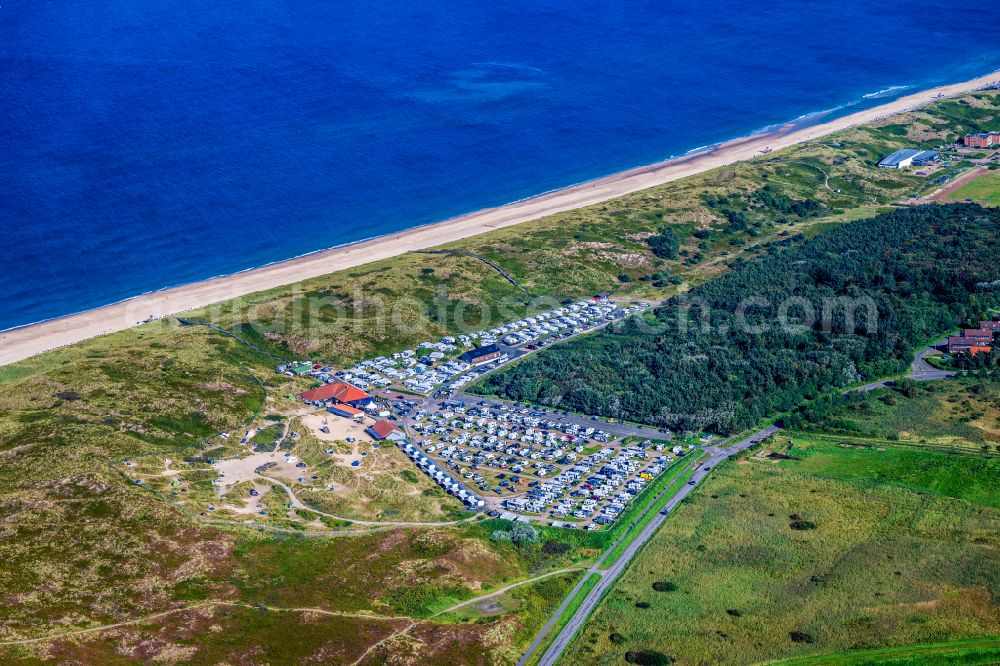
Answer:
(20, 343)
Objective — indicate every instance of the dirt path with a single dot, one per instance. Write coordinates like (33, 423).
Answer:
(507, 588)
(826, 176)
(405, 630)
(203, 604)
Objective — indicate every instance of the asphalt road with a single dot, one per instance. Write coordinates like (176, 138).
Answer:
(610, 574)
(920, 371)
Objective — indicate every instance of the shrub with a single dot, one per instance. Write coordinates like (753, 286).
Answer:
(334, 522)
(801, 637)
(802, 525)
(520, 533)
(616, 638)
(648, 658)
(642, 604)
(665, 586)
(734, 612)
(523, 533)
(555, 548)
(664, 244)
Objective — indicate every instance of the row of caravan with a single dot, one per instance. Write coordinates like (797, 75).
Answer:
(443, 479)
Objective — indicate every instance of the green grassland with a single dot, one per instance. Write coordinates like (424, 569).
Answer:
(671, 481)
(774, 561)
(985, 189)
(975, 652)
(565, 617)
(83, 545)
(967, 477)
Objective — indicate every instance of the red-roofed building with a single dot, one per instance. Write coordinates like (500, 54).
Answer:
(340, 392)
(956, 343)
(978, 335)
(990, 326)
(385, 430)
(345, 410)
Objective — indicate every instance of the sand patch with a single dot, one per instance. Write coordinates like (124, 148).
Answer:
(237, 470)
(331, 428)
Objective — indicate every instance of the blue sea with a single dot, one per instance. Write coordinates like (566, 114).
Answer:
(149, 144)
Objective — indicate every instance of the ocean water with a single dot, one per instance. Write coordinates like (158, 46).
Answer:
(149, 144)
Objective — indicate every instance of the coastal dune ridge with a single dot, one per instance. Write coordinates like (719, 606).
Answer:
(20, 343)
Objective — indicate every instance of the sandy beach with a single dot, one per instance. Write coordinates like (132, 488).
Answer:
(24, 342)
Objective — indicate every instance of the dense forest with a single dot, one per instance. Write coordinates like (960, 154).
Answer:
(779, 329)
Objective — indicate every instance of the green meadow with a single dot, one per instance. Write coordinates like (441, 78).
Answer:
(820, 548)
(985, 189)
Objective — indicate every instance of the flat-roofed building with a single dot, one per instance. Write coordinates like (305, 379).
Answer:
(481, 355)
(907, 157)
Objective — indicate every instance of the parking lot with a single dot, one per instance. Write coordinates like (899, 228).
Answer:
(436, 365)
(529, 464)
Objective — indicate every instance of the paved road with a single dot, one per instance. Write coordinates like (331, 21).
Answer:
(610, 574)
(920, 371)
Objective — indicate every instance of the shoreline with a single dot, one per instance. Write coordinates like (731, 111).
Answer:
(22, 342)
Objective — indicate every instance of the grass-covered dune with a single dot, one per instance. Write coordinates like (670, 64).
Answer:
(842, 307)
(83, 547)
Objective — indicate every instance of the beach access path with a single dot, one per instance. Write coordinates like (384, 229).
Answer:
(24, 342)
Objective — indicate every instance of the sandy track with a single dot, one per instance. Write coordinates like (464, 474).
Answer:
(506, 588)
(181, 609)
(21, 343)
